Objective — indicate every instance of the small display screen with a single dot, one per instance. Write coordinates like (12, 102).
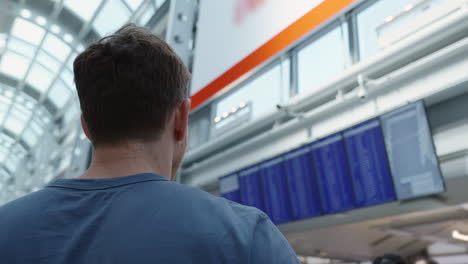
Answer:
(334, 181)
(275, 192)
(302, 184)
(250, 188)
(411, 152)
(368, 164)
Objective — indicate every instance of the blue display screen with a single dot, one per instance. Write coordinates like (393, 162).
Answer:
(250, 188)
(334, 181)
(275, 192)
(229, 187)
(411, 153)
(368, 164)
(302, 185)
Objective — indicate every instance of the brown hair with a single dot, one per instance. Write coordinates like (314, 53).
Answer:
(128, 84)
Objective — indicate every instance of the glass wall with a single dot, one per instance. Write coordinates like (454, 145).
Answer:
(324, 57)
(375, 15)
(260, 95)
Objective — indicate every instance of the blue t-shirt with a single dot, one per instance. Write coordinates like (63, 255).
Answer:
(136, 219)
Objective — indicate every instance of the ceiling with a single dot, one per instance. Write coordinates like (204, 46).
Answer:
(39, 40)
(406, 235)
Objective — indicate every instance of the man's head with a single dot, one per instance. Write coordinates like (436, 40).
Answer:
(133, 88)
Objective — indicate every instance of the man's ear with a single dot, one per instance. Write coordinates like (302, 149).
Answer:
(85, 127)
(181, 120)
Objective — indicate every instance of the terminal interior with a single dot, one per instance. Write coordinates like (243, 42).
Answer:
(345, 121)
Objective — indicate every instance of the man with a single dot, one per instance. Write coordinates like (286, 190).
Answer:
(125, 209)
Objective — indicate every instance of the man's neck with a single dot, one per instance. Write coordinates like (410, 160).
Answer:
(129, 159)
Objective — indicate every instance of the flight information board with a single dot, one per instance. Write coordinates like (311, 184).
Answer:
(368, 164)
(275, 192)
(411, 152)
(250, 188)
(229, 187)
(302, 185)
(334, 181)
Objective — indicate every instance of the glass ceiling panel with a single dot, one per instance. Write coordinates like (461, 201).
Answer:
(14, 65)
(3, 154)
(68, 78)
(37, 126)
(71, 60)
(83, 8)
(16, 122)
(146, 16)
(40, 78)
(21, 47)
(112, 17)
(134, 4)
(56, 47)
(27, 31)
(2, 41)
(3, 110)
(30, 137)
(158, 3)
(59, 94)
(11, 163)
(48, 61)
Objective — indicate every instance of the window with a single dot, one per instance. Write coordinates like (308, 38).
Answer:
(48, 61)
(134, 4)
(322, 59)
(83, 8)
(68, 78)
(59, 94)
(114, 15)
(17, 119)
(56, 47)
(262, 93)
(27, 31)
(21, 47)
(40, 78)
(371, 18)
(2, 41)
(14, 65)
(146, 16)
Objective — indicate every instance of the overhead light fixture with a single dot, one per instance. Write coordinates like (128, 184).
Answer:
(242, 105)
(409, 7)
(389, 19)
(217, 119)
(41, 20)
(225, 114)
(25, 13)
(459, 236)
(55, 29)
(68, 38)
(233, 110)
(80, 48)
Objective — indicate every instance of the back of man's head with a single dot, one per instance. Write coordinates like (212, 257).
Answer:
(128, 84)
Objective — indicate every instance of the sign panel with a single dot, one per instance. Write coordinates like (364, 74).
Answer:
(334, 181)
(368, 164)
(302, 184)
(250, 188)
(229, 187)
(275, 192)
(229, 30)
(411, 152)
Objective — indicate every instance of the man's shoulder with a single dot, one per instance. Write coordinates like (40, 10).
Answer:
(22, 208)
(209, 208)
(201, 200)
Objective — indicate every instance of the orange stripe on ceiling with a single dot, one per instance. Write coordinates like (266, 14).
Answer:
(311, 20)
